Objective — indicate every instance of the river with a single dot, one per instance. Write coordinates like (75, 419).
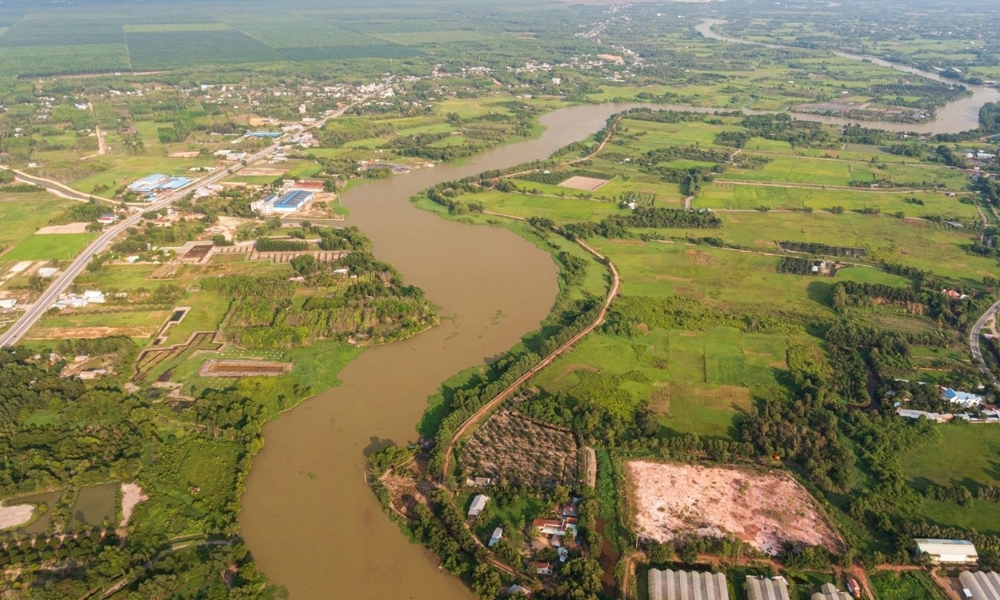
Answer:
(308, 516)
(310, 520)
(957, 116)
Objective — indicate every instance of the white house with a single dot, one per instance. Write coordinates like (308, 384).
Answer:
(478, 504)
(8, 303)
(47, 272)
(496, 537)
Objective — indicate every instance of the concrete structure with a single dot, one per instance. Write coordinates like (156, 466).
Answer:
(963, 398)
(980, 585)
(830, 592)
(948, 551)
(683, 585)
(262, 207)
(478, 504)
(762, 588)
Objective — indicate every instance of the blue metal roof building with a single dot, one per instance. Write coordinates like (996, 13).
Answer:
(290, 202)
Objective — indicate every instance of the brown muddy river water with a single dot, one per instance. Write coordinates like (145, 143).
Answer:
(308, 516)
(325, 536)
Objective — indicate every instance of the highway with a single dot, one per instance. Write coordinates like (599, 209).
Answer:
(49, 296)
(977, 352)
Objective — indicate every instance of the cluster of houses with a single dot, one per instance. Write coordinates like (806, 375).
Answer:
(558, 533)
(68, 300)
(967, 400)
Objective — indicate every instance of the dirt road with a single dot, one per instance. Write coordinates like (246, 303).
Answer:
(507, 393)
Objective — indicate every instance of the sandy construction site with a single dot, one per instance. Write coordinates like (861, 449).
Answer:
(672, 501)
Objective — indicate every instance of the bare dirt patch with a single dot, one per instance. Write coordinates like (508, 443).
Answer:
(67, 228)
(671, 501)
(586, 184)
(88, 333)
(18, 514)
(262, 172)
(132, 495)
(243, 368)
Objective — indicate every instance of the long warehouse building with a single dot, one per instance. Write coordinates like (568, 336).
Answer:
(683, 585)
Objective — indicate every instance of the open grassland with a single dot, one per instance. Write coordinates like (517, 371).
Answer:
(966, 454)
(936, 248)
(50, 247)
(827, 171)
(698, 382)
(736, 196)
(23, 214)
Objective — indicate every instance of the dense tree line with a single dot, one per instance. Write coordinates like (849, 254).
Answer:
(617, 226)
(266, 244)
(823, 249)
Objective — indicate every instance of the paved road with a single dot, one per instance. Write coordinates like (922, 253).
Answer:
(55, 187)
(977, 352)
(49, 296)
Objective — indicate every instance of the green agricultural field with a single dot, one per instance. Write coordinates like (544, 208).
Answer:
(737, 196)
(50, 247)
(23, 214)
(176, 49)
(700, 382)
(935, 248)
(560, 210)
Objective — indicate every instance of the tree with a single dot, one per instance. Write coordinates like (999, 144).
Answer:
(486, 582)
(660, 554)
(580, 580)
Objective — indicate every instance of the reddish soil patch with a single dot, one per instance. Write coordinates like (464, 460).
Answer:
(763, 509)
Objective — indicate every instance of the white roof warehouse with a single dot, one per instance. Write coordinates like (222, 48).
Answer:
(948, 551)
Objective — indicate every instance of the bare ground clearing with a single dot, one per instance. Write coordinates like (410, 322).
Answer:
(88, 333)
(671, 501)
(132, 495)
(586, 184)
(18, 514)
(67, 228)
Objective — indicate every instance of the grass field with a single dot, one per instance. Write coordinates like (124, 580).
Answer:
(965, 453)
(50, 247)
(737, 196)
(23, 214)
(699, 382)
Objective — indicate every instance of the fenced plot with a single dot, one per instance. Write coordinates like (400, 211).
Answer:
(587, 184)
(522, 451)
